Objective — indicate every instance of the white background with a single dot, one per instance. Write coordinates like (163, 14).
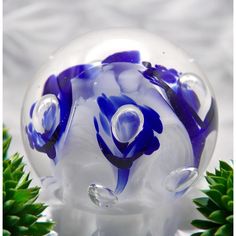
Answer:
(34, 29)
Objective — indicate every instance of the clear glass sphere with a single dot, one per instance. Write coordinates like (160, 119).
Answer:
(119, 119)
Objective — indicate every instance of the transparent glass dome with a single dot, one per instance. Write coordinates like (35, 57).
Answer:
(121, 120)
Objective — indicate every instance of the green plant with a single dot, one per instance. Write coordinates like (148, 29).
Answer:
(20, 209)
(217, 206)
(6, 142)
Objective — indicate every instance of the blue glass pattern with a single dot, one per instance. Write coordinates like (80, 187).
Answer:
(46, 141)
(182, 100)
(146, 142)
(197, 129)
(128, 56)
(60, 86)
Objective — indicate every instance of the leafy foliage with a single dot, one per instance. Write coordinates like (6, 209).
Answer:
(217, 206)
(6, 142)
(20, 211)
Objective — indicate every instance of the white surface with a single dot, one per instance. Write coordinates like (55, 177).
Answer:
(33, 30)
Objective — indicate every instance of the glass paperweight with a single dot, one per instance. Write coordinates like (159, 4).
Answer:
(118, 125)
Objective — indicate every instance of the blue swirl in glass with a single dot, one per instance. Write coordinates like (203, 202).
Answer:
(125, 129)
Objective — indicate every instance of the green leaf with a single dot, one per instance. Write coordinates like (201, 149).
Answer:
(6, 144)
(41, 228)
(217, 172)
(214, 195)
(4, 133)
(209, 179)
(7, 174)
(11, 220)
(202, 201)
(7, 205)
(22, 229)
(225, 200)
(24, 184)
(17, 208)
(217, 207)
(230, 181)
(219, 180)
(35, 209)
(204, 224)
(28, 219)
(20, 212)
(197, 234)
(225, 166)
(224, 230)
(16, 175)
(230, 206)
(18, 172)
(16, 161)
(25, 195)
(230, 193)
(6, 163)
(220, 187)
(204, 211)
(209, 232)
(218, 216)
(22, 195)
(230, 219)
(225, 174)
(6, 233)
(6, 138)
(9, 184)
(205, 202)
(4, 195)
(10, 193)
